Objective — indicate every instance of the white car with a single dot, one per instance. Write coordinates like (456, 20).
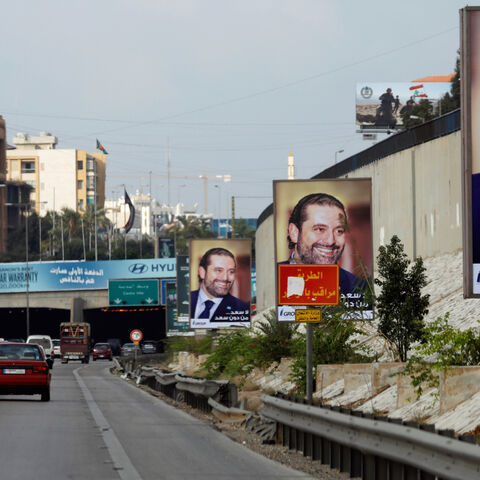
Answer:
(56, 347)
(44, 341)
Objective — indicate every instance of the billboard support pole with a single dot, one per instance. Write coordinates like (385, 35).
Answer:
(309, 377)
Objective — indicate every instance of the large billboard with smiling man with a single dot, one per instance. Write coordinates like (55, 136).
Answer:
(220, 283)
(326, 222)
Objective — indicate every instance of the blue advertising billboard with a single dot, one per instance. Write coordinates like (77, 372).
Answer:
(78, 275)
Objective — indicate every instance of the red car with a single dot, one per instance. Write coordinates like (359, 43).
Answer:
(24, 370)
(101, 350)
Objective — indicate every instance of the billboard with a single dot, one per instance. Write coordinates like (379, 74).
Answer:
(220, 282)
(381, 105)
(326, 222)
(165, 247)
(176, 326)
(78, 275)
(183, 287)
(470, 111)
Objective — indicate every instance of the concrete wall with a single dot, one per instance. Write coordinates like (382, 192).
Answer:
(458, 384)
(416, 195)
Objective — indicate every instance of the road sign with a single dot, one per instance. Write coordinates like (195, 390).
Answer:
(308, 284)
(313, 315)
(133, 292)
(136, 336)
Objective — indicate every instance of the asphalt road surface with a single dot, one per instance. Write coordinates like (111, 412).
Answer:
(97, 426)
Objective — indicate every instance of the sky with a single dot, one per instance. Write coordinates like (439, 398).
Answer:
(218, 87)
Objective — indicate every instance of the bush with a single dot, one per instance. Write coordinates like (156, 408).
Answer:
(442, 347)
(333, 342)
(198, 345)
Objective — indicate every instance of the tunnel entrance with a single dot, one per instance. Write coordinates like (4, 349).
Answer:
(105, 322)
(118, 323)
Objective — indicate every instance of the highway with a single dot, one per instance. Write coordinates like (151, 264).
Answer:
(99, 426)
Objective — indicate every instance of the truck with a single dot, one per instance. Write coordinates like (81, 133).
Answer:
(75, 341)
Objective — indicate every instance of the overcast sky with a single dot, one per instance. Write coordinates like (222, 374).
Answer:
(230, 86)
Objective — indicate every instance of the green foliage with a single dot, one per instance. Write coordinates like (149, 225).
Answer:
(333, 342)
(235, 354)
(238, 352)
(400, 306)
(451, 101)
(275, 339)
(198, 345)
(419, 113)
(443, 347)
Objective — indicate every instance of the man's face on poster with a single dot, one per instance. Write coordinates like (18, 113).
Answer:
(218, 277)
(321, 237)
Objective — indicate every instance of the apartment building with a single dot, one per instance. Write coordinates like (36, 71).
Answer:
(59, 178)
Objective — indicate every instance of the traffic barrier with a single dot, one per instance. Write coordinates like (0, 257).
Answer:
(371, 447)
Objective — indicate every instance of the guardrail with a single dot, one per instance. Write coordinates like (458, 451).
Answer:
(196, 392)
(373, 448)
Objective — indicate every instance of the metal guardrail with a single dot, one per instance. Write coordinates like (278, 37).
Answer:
(196, 392)
(373, 448)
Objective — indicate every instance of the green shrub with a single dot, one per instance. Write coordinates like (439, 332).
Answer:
(442, 347)
(192, 344)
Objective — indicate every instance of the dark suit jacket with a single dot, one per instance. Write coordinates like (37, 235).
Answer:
(228, 305)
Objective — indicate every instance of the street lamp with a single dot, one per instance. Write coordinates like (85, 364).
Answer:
(336, 153)
(40, 230)
(219, 208)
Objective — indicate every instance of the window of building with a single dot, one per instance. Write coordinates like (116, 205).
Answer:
(79, 184)
(79, 164)
(28, 166)
(81, 204)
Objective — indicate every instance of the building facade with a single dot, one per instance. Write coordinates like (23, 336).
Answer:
(59, 178)
(3, 166)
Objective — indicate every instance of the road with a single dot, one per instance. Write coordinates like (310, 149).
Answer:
(99, 426)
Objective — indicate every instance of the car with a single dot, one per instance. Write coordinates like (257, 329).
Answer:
(101, 350)
(45, 341)
(150, 346)
(24, 370)
(56, 347)
(15, 340)
(115, 345)
(130, 349)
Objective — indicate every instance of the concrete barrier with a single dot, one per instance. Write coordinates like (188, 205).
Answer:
(458, 384)
(383, 374)
(328, 374)
(356, 375)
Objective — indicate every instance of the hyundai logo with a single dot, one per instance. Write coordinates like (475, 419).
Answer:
(138, 268)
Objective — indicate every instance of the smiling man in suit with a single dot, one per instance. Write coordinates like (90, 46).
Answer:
(213, 300)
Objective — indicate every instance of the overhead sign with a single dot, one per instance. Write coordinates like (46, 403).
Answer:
(309, 315)
(133, 292)
(308, 284)
(79, 275)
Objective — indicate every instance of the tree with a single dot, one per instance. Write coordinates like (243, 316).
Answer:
(451, 101)
(419, 113)
(400, 305)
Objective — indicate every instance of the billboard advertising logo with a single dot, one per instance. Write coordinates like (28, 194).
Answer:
(138, 268)
(366, 92)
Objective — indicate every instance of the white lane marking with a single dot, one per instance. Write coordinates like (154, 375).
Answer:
(123, 465)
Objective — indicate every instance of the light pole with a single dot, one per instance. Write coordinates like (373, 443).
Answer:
(40, 230)
(178, 191)
(336, 153)
(27, 273)
(219, 208)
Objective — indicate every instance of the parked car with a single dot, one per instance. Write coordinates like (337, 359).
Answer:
(56, 347)
(44, 341)
(129, 349)
(150, 346)
(115, 345)
(24, 370)
(101, 350)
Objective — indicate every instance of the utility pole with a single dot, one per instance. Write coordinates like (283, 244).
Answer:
(168, 170)
(233, 216)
